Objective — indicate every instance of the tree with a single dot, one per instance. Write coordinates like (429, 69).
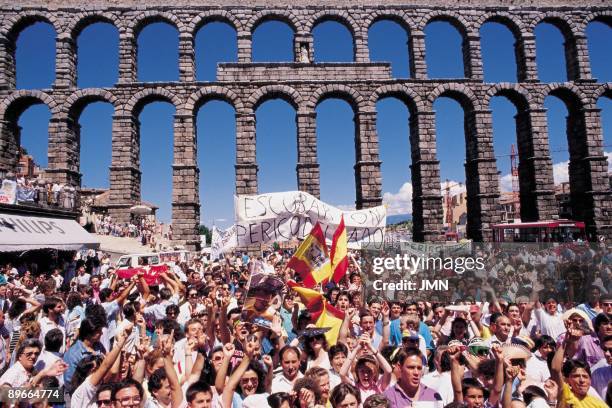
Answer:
(204, 230)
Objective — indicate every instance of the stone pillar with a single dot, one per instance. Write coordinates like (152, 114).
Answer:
(577, 59)
(245, 44)
(368, 181)
(537, 188)
(186, 58)
(425, 172)
(7, 65)
(128, 51)
(472, 57)
(482, 179)
(590, 193)
(308, 175)
(525, 54)
(125, 174)
(64, 152)
(303, 49)
(362, 53)
(246, 163)
(65, 62)
(416, 47)
(10, 140)
(185, 184)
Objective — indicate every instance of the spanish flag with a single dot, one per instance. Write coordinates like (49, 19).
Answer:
(311, 260)
(322, 313)
(339, 255)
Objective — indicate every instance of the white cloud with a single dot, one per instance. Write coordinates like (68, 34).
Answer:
(400, 202)
(560, 173)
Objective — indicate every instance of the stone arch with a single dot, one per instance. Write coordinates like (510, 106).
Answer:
(459, 92)
(604, 90)
(396, 16)
(22, 99)
(221, 16)
(85, 19)
(408, 96)
(515, 25)
(142, 20)
(137, 102)
(602, 16)
(203, 95)
(11, 110)
(263, 16)
(567, 92)
(268, 92)
(457, 21)
(567, 26)
(73, 106)
(342, 17)
(519, 96)
(15, 25)
(344, 92)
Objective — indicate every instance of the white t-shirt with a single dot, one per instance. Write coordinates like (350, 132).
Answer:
(84, 395)
(46, 325)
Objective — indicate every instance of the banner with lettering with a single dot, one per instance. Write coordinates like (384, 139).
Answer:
(8, 192)
(277, 217)
(222, 241)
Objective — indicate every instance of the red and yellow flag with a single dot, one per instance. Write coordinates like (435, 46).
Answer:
(322, 313)
(311, 260)
(339, 255)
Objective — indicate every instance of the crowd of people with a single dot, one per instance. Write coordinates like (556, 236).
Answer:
(533, 330)
(145, 230)
(39, 192)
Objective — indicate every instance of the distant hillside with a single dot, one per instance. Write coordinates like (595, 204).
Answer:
(396, 219)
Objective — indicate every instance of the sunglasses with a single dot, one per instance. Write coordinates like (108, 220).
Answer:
(479, 351)
(193, 295)
(104, 402)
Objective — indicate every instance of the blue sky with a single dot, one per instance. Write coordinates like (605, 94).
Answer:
(276, 132)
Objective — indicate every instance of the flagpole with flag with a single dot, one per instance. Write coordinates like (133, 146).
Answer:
(322, 313)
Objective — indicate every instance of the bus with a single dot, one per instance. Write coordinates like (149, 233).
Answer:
(560, 230)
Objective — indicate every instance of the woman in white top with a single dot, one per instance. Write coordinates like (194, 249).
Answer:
(315, 347)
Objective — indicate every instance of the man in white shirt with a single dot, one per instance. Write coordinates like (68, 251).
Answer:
(290, 364)
(53, 308)
(82, 278)
(191, 307)
(20, 374)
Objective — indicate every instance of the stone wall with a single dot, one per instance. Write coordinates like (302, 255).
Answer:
(304, 84)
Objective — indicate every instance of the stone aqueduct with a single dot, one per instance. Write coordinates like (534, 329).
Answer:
(246, 85)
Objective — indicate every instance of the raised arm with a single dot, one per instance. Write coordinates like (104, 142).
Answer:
(167, 346)
(571, 336)
(228, 352)
(386, 334)
(345, 328)
(456, 372)
(498, 380)
(232, 383)
(348, 363)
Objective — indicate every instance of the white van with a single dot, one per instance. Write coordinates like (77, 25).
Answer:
(165, 257)
(136, 260)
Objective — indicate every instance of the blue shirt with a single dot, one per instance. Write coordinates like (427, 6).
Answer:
(76, 354)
